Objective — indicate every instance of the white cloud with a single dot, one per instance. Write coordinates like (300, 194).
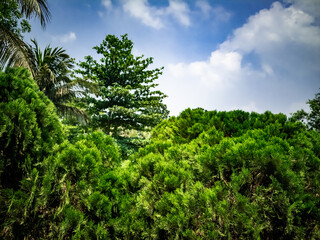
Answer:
(274, 28)
(156, 17)
(70, 37)
(284, 40)
(221, 14)
(140, 9)
(217, 72)
(107, 4)
(309, 6)
(180, 11)
(281, 37)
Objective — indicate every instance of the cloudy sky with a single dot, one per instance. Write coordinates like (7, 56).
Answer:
(217, 54)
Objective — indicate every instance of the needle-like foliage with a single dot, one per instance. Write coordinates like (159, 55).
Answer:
(128, 97)
(204, 175)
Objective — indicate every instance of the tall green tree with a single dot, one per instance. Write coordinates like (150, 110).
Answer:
(127, 98)
(14, 51)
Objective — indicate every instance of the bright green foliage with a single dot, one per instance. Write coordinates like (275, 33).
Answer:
(29, 126)
(225, 175)
(51, 191)
(203, 175)
(64, 191)
(127, 97)
(193, 123)
(29, 129)
(314, 116)
(77, 193)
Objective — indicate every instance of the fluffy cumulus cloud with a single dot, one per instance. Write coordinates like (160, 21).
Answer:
(141, 10)
(218, 72)
(156, 16)
(270, 63)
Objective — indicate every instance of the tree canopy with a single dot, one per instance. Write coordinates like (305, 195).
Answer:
(128, 97)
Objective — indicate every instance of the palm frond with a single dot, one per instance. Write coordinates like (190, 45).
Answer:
(44, 78)
(69, 111)
(52, 71)
(13, 51)
(84, 86)
(37, 8)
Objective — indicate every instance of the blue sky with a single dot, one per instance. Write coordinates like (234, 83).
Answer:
(217, 54)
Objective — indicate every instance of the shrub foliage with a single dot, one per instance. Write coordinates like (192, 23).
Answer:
(203, 175)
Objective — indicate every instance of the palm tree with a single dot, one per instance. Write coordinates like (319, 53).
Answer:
(52, 72)
(14, 51)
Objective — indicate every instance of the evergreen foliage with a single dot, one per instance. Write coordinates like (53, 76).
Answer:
(50, 188)
(29, 126)
(225, 175)
(127, 96)
(203, 175)
(29, 129)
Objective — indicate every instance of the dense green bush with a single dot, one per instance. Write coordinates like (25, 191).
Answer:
(29, 126)
(203, 175)
(49, 187)
(74, 190)
(29, 129)
(225, 175)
